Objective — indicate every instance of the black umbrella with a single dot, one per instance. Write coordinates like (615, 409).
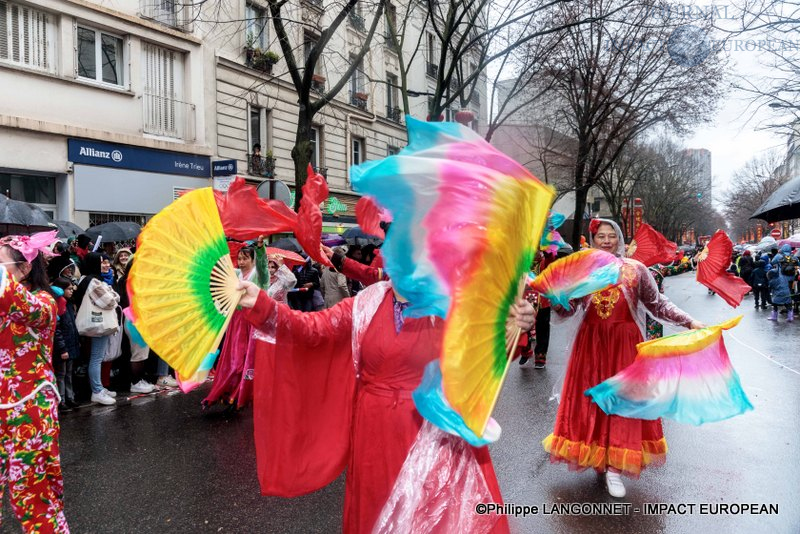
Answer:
(287, 243)
(68, 229)
(782, 205)
(113, 232)
(21, 213)
(356, 236)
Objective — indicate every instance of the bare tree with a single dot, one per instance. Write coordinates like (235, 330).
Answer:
(617, 79)
(633, 166)
(750, 188)
(770, 27)
(669, 187)
(301, 73)
(462, 38)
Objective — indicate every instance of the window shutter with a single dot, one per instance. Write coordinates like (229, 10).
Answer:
(3, 30)
(163, 110)
(25, 36)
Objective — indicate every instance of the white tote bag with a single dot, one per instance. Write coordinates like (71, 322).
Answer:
(97, 316)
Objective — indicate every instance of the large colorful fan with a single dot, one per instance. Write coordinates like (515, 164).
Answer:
(687, 377)
(650, 247)
(712, 270)
(577, 275)
(182, 283)
(466, 222)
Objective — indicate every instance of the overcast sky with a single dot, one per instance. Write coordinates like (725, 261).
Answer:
(738, 134)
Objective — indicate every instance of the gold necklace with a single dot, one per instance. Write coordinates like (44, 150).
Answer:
(604, 302)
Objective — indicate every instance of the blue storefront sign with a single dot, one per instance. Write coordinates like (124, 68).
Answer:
(223, 167)
(87, 152)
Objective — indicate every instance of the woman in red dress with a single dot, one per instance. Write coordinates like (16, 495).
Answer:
(611, 326)
(333, 390)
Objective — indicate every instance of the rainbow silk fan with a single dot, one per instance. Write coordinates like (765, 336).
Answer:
(686, 377)
(577, 275)
(466, 222)
(183, 284)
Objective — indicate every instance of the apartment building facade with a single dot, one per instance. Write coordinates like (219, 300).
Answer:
(114, 107)
(104, 115)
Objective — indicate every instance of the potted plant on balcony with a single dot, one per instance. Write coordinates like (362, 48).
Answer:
(264, 60)
(361, 96)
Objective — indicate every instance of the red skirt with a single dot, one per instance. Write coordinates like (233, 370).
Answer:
(584, 436)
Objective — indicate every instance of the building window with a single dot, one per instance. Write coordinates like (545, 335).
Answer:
(356, 18)
(432, 61)
(316, 141)
(393, 111)
(165, 113)
(391, 150)
(27, 37)
(27, 188)
(103, 49)
(358, 90)
(256, 27)
(260, 160)
(359, 154)
(391, 22)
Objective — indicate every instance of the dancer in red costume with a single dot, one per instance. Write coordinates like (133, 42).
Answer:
(30, 463)
(336, 393)
(611, 326)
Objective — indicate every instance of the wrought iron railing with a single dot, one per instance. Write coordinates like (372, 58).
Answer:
(357, 21)
(394, 113)
(358, 100)
(258, 165)
(178, 14)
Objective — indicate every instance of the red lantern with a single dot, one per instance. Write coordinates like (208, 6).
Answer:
(465, 117)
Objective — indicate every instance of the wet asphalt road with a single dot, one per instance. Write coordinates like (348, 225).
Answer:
(157, 464)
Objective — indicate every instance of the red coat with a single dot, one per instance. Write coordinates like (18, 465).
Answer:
(331, 394)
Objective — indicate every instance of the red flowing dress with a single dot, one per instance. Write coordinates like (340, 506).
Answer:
(584, 436)
(314, 415)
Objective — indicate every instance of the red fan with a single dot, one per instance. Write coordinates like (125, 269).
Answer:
(712, 270)
(309, 218)
(650, 247)
(368, 215)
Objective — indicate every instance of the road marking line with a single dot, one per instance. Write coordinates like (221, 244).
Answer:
(770, 358)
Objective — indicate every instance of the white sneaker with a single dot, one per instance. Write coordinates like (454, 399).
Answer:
(167, 382)
(110, 393)
(614, 485)
(102, 398)
(142, 386)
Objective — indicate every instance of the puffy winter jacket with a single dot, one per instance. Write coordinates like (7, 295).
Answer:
(779, 287)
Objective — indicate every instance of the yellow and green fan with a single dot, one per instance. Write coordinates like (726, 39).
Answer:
(183, 285)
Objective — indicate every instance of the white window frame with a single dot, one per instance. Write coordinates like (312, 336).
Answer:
(263, 117)
(430, 43)
(358, 145)
(98, 57)
(358, 80)
(392, 92)
(165, 105)
(251, 25)
(40, 25)
(316, 139)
